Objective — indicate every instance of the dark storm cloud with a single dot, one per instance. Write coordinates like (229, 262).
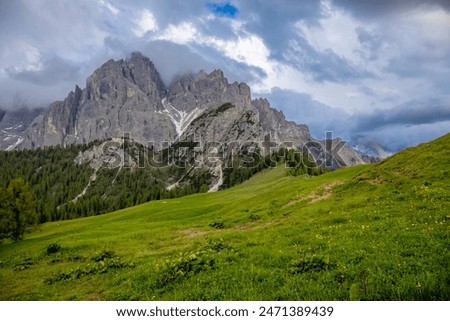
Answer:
(397, 137)
(412, 113)
(322, 65)
(173, 59)
(373, 9)
(49, 46)
(402, 126)
(53, 71)
(419, 65)
(302, 108)
(275, 22)
(328, 66)
(371, 41)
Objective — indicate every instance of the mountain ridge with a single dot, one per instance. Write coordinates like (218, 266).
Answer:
(129, 96)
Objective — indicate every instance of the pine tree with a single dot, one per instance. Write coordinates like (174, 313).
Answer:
(204, 188)
(5, 217)
(17, 210)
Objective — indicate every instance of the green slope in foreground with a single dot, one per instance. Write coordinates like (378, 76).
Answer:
(375, 232)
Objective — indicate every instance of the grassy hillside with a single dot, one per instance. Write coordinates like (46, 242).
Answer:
(374, 232)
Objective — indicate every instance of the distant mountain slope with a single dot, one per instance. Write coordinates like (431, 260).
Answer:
(373, 149)
(13, 125)
(372, 232)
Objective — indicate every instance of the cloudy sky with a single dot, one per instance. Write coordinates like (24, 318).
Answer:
(367, 70)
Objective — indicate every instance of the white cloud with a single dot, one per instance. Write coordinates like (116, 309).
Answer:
(183, 33)
(246, 48)
(33, 57)
(424, 33)
(336, 32)
(145, 23)
(109, 6)
(249, 50)
(323, 52)
(433, 25)
(27, 59)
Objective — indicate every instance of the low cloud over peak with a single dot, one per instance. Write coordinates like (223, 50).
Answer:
(374, 66)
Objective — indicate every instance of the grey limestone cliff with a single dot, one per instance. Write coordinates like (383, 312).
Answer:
(128, 96)
(120, 97)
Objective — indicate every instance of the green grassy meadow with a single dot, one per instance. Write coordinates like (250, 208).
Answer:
(372, 232)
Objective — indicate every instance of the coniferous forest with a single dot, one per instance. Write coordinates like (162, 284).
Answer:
(57, 183)
(62, 189)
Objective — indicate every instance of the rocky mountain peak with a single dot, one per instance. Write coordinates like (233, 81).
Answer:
(217, 73)
(129, 96)
(143, 73)
(74, 96)
(138, 56)
(120, 96)
(104, 81)
(115, 76)
(203, 91)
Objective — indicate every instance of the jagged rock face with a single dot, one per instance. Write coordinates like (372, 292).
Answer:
(225, 124)
(275, 123)
(335, 153)
(128, 96)
(203, 95)
(141, 71)
(350, 156)
(204, 91)
(120, 97)
(113, 158)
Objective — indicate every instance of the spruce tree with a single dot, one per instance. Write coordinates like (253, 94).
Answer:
(18, 210)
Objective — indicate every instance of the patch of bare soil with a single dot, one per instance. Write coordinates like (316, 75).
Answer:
(192, 233)
(321, 193)
(324, 192)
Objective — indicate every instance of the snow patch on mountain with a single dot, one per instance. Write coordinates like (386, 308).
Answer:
(179, 118)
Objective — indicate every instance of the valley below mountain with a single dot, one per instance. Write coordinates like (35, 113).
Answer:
(208, 194)
(369, 232)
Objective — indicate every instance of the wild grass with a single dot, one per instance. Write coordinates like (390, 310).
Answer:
(375, 232)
